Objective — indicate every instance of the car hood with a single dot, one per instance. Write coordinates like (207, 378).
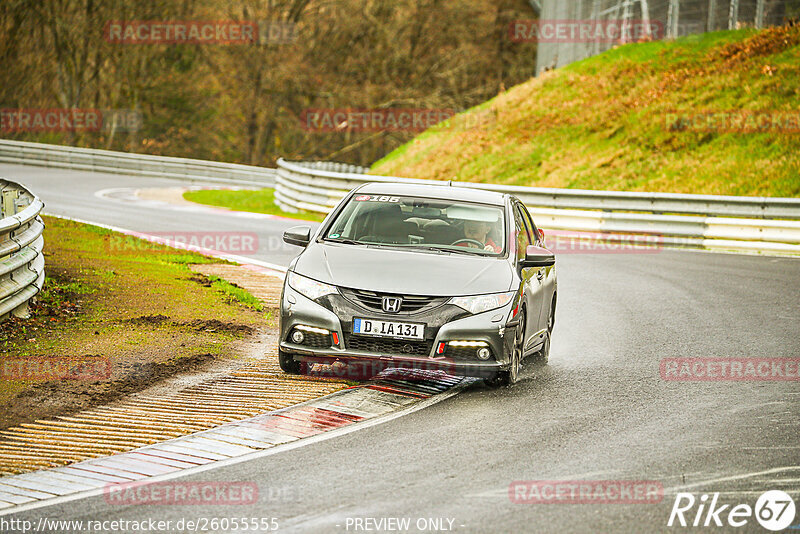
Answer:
(403, 271)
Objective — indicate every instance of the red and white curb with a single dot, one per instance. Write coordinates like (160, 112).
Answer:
(296, 426)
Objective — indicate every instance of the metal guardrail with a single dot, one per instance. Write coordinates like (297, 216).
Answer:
(21, 244)
(758, 224)
(90, 159)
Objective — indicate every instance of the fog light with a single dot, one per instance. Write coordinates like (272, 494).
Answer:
(484, 353)
(298, 337)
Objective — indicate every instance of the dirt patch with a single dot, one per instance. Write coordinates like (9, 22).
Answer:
(200, 279)
(215, 325)
(198, 325)
(149, 319)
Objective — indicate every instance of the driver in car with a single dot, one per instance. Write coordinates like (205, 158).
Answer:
(477, 232)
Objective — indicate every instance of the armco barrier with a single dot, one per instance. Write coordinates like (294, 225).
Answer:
(89, 159)
(753, 224)
(21, 243)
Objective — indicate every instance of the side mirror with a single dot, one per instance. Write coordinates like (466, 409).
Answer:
(538, 257)
(298, 235)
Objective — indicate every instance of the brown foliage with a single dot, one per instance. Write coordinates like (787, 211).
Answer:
(242, 103)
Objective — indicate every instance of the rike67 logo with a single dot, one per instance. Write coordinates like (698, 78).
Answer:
(774, 510)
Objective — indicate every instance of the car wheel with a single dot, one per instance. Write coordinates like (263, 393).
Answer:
(551, 320)
(288, 363)
(541, 357)
(511, 376)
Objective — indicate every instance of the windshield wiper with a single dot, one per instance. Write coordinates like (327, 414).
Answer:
(459, 250)
(415, 246)
(345, 241)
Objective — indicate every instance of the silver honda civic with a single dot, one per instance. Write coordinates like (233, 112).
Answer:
(423, 277)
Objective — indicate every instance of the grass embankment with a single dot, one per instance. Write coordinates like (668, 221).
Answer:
(136, 303)
(257, 201)
(609, 122)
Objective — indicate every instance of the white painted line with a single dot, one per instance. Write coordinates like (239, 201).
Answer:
(255, 455)
(732, 478)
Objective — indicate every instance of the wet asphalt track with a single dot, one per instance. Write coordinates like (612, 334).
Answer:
(600, 410)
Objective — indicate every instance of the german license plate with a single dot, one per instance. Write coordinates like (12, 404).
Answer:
(374, 327)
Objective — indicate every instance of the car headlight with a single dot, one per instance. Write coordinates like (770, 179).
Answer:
(308, 287)
(482, 303)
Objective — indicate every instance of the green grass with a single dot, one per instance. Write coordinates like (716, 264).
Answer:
(603, 123)
(256, 201)
(98, 281)
(236, 292)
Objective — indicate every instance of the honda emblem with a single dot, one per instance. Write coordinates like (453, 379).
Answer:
(391, 304)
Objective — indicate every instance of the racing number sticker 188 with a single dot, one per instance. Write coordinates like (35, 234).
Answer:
(375, 198)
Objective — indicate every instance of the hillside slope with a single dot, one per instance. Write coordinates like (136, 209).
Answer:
(618, 121)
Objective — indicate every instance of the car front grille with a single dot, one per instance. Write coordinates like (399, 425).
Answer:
(388, 346)
(372, 300)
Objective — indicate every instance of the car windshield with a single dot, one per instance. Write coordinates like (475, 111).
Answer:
(414, 222)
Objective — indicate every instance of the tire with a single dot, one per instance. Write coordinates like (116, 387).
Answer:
(288, 363)
(541, 357)
(511, 376)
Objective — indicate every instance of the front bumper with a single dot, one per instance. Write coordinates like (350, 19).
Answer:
(444, 323)
(366, 365)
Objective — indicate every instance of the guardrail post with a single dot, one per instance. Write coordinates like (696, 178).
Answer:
(10, 202)
(23, 311)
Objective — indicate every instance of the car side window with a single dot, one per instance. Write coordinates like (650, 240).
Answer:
(522, 232)
(532, 227)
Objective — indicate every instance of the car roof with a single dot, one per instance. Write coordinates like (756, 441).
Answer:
(466, 194)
